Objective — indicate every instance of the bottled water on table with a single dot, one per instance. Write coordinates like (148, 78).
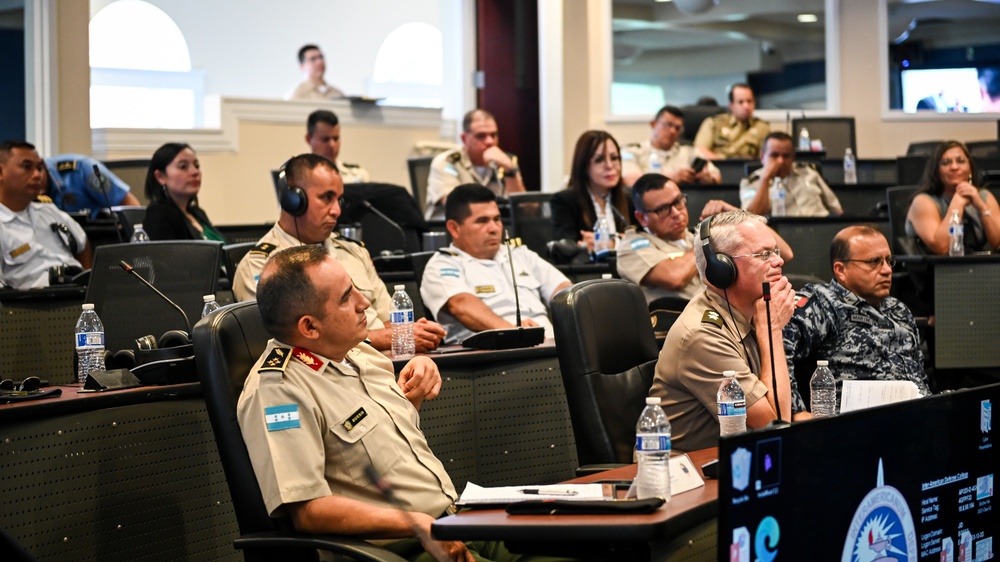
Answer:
(210, 305)
(89, 343)
(602, 239)
(956, 235)
(850, 167)
(805, 143)
(139, 234)
(778, 197)
(823, 391)
(732, 405)
(652, 447)
(401, 319)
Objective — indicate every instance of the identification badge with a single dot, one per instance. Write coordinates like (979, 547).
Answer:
(282, 417)
(352, 422)
(485, 289)
(20, 251)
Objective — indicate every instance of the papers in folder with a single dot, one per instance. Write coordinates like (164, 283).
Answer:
(857, 395)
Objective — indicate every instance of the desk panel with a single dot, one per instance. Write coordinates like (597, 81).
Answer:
(38, 333)
(810, 239)
(967, 311)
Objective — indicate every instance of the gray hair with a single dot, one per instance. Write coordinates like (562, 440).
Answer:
(725, 237)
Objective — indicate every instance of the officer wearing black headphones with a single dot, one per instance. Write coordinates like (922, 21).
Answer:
(725, 328)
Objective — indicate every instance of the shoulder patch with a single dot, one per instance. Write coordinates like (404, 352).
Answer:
(277, 360)
(282, 417)
(712, 317)
(66, 166)
(801, 300)
(447, 252)
(639, 243)
(263, 249)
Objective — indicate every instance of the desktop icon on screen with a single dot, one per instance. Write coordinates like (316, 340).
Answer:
(739, 551)
(985, 416)
(740, 460)
(768, 464)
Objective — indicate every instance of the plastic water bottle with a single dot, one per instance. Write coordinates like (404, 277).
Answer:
(732, 405)
(602, 239)
(138, 234)
(652, 447)
(956, 235)
(850, 167)
(805, 143)
(823, 391)
(89, 343)
(210, 305)
(778, 195)
(401, 319)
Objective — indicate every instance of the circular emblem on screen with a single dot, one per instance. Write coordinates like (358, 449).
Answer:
(882, 528)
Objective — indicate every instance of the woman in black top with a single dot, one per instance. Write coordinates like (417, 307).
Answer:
(172, 185)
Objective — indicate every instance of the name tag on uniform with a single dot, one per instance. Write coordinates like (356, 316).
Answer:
(282, 417)
(20, 250)
(485, 289)
(352, 422)
(862, 319)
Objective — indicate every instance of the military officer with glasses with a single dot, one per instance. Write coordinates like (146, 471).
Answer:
(852, 322)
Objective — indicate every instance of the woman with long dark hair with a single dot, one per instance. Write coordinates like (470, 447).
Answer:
(172, 185)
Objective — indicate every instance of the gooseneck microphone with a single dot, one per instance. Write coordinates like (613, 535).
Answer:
(770, 346)
(128, 269)
(513, 278)
(102, 185)
(395, 225)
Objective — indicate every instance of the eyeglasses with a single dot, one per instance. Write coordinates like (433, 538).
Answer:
(680, 203)
(948, 162)
(764, 256)
(27, 385)
(876, 263)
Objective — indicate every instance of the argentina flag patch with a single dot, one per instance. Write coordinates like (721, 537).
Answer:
(282, 417)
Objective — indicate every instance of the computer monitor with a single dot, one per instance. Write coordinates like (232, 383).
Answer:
(908, 481)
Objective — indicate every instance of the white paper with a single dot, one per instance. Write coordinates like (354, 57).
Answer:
(683, 475)
(479, 495)
(857, 395)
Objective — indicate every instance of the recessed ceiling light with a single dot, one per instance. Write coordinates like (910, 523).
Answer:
(664, 0)
(808, 18)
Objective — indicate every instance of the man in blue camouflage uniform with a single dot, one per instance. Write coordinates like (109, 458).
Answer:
(852, 321)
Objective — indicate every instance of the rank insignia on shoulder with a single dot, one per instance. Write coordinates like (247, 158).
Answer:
(515, 242)
(263, 248)
(447, 252)
(277, 360)
(356, 418)
(801, 300)
(66, 166)
(43, 199)
(455, 157)
(346, 165)
(712, 317)
(308, 359)
(351, 240)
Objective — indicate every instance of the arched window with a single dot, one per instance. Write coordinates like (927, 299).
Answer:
(140, 70)
(409, 66)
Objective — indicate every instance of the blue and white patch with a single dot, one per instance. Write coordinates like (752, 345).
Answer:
(282, 417)
(451, 170)
(639, 243)
(451, 272)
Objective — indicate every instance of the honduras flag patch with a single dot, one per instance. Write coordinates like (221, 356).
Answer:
(282, 417)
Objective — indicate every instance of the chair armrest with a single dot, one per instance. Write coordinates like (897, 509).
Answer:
(588, 469)
(356, 549)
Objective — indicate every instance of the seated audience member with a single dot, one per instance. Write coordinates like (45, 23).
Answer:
(467, 286)
(172, 186)
(595, 191)
(73, 186)
(662, 154)
(725, 327)
(852, 322)
(806, 194)
(34, 237)
(350, 412)
(322, 188)
(323, 136)
(946, 188)
(313, 86)
(480, 160)
(737, 134)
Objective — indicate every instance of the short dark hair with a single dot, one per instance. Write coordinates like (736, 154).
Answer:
(304, 50)
(285, 292)
(158, 163)
(8, 146)
(321, 116)
(990, 80)
(778, 136)
(931, 182)
(840, 249)
(671, 109)
(472, 116)
(647, 183)
(707, 101)
(457, 206)
(297, 167)
(733, 87)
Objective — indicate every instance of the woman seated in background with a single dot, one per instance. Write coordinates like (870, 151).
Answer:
(947, 188)
(595, 191)
(172, 185)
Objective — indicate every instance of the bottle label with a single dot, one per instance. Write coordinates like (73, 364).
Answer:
(90, 339)
(733, 408)
(401, 316)
(956, 230)
(652, 443)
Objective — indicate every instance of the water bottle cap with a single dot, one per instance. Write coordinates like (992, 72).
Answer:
(138, 226)
(822, 363)
(399, 288)
(88, 306)
(729, 373)
(208, 298)
(605, 276)
(652, 400)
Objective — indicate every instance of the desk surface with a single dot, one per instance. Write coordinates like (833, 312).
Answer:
(73, 401)
(468, 358)
(682, 513)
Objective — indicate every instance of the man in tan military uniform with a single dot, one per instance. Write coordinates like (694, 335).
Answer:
(737, 134)
(480, 160)
(323, 136)
(323, 189)
(662, 154)
(711, 336)
(313, 86)
(806, 193)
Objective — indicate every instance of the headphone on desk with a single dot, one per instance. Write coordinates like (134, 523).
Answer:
(291, 198)
(720, 270)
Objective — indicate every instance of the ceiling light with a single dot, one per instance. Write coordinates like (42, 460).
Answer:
(807, 18)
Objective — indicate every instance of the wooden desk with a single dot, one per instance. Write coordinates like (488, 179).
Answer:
(618, 537)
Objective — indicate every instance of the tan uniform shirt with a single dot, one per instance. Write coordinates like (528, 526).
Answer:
(451, 169)
(352, 173)
(311, 91)
(729, 138)
(639, 252)
(642, 157)
(702, 344)
(312, 426)
(348, 253)
(806, 194)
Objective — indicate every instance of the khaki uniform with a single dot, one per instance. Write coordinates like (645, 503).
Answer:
(30, 246)
(806, 194)
(702, 344)
(348, 253)
(642, 157)
(352, 173)
(639, 252)
(311, 91)
(312, 426)
(729, 138)
(451, 169)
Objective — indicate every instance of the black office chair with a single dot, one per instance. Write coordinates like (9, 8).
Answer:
(663, 312)
(227, 344)
(899, 199)
(984, 149)
(129, 216)
(233, 254)
(693, 116)
(607, 355)
(922, 148)
(910, 169)
(837, 133)
(419, 169)
(531, 219)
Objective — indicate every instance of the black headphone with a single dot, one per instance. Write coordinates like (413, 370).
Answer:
(291, 198)
(720, 270)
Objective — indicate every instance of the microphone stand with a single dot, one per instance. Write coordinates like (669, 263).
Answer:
(513, 280)
(107, 201)
(770, 346)
(128, 269)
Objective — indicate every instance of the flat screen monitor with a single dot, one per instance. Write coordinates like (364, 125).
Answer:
(908, 481)
(944, 90)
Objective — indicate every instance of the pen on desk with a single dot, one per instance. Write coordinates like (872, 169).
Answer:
(538, 492)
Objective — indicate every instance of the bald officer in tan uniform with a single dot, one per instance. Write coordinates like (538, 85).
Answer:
(323, 189)
(737, 134)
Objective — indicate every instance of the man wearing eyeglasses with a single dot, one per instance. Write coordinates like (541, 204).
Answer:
(662, 154)
(852, 322)
(323, 189)
(34, 237)
(806, 193)
(479, 160)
